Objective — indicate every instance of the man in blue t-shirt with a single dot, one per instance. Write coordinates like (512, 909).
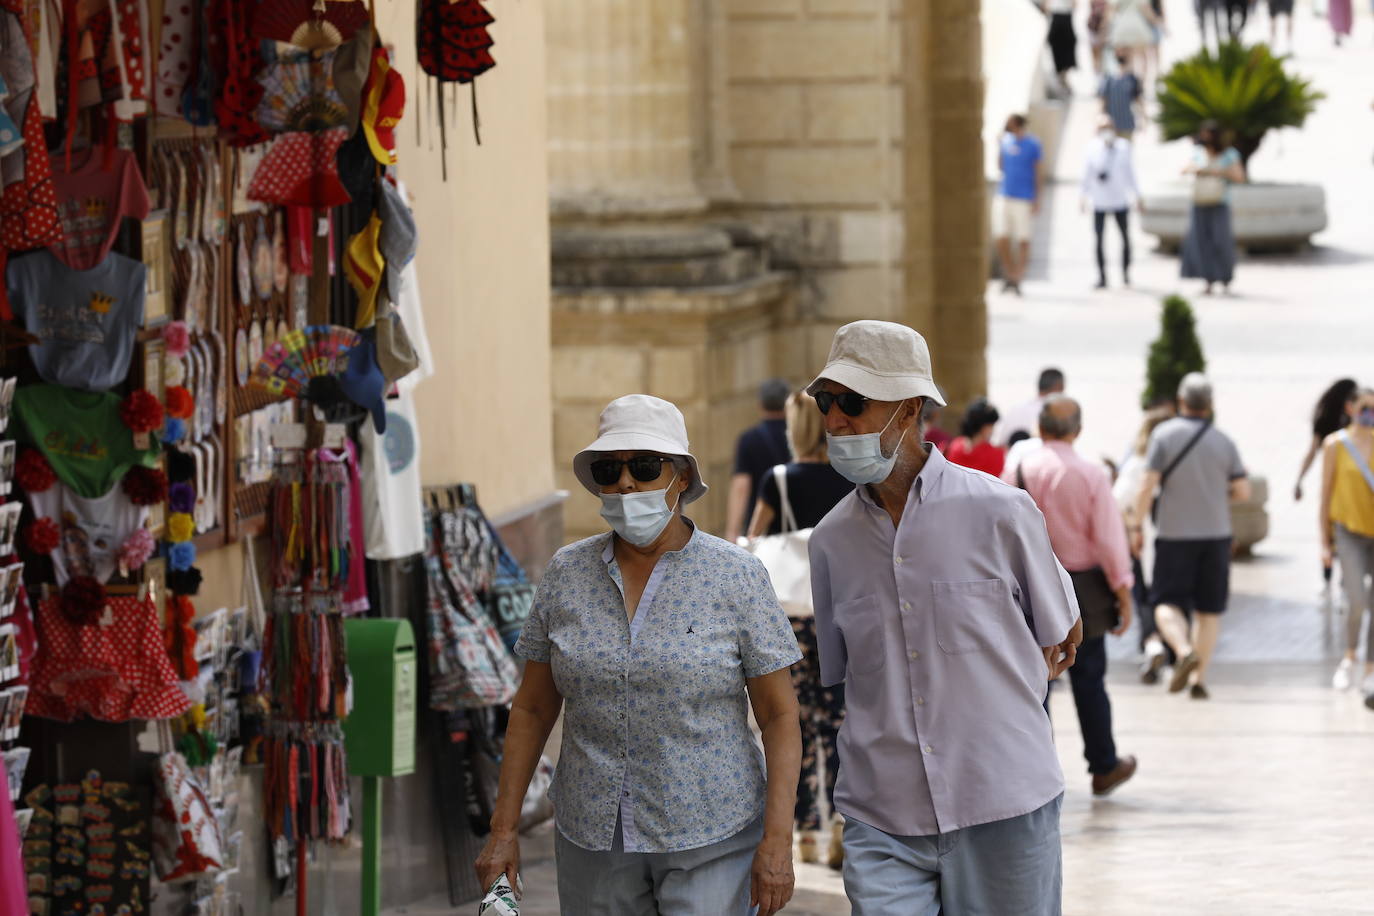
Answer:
(1018, 200)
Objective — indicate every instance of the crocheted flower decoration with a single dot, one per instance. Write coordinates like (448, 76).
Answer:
(177, 337)
(180, 526)
(141, 412)
(32, 471)
(180, 403)
(145, 486)
(181, 497)
(173, 371)
(184, 581)
(181, 556)
(83, 598)
(137, 549)
(42, 536)
(174, 431)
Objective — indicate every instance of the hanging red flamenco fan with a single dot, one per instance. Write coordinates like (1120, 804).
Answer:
(454, 47)
(309, 24)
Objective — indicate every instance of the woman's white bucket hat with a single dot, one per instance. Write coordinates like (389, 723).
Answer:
(880, 360)
(639, 423)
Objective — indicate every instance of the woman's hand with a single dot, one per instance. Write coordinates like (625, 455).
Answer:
(772, 882)
(501, 855)
(1327, 556)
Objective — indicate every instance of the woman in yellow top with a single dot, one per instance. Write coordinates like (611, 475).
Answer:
(1347, 524)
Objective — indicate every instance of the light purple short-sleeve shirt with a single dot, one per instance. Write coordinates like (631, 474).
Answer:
(935, 627)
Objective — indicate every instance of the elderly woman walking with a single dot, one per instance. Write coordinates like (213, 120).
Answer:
(656, 635)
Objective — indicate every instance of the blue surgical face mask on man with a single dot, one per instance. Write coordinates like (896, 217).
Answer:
(639, 517)
(1365, 417)
(860, 459)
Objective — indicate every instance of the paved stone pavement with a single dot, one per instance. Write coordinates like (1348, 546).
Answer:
(1258, 801)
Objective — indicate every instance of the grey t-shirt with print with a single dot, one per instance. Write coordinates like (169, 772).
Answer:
(1195, 503)
(86, 319)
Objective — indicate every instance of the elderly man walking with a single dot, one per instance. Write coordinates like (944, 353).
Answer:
(1090, 540)
(940, 606)
(1196, 470)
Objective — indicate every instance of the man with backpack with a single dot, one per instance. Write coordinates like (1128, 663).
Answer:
(1197, 473)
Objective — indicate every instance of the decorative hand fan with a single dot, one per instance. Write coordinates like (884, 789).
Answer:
(327, 346)
(281, 371)
(299, 94)
(311, 24)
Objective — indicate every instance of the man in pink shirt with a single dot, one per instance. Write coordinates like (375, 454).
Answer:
(1089, 538)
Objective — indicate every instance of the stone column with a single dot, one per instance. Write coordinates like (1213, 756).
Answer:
(622, 107)
(945, 206)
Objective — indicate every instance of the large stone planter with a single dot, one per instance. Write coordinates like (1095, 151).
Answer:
(1249, 520)
(1265, 217)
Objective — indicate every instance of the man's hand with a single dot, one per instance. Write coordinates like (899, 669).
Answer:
(1327, 555)
(1137, 540)
(1126, 608)
(1060, 658)
(772, 880)
(1035, 207)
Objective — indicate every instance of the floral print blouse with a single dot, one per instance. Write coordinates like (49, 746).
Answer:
(656, 723)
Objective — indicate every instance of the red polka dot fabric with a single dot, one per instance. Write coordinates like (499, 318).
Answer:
(301, 169)
(115, 672)
(28, 208)
(174, 62)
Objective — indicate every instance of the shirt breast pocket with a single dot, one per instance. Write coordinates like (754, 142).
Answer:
(861, 623)
(971, 615)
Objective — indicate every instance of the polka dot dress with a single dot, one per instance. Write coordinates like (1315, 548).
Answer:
(113, 672)
(174, 64)
(301, 169)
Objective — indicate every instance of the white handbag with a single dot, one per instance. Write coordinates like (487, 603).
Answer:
(786, 556)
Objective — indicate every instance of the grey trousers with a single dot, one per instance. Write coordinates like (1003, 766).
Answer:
(711, 880)
(1007, 867)
(1356, 553)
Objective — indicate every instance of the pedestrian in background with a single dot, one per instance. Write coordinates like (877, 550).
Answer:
(811, 488)
(1018, 200)
(1153, 66)
(1120, 93)
(1098, 25)
(1331, 415)
(930, 421)
(1209, 248)
(1089, 539)
(942, 609)
(1197, 473)
(1341, 15)
(757, 451)
(1347, 528)
(974, 448)
(1129, 479)
(1025, 417)
(665, 803)
(1109, 188)
(1279, 8)
(1063, 40)
(1132, 30)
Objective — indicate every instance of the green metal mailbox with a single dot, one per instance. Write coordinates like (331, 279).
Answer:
(380, 732)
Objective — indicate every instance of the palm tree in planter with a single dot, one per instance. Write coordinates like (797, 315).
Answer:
(1244, 89)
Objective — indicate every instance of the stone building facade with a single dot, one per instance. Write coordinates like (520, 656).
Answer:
(731, 180)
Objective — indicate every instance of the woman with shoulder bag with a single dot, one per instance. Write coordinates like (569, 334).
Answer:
(653, 640)
(1209, 249)
(1347, 527)
(810, 489)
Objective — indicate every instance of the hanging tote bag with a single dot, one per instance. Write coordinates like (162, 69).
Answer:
(1209, 190)
(511, 596)
(786, 555)
(469, 666)
(186, 840)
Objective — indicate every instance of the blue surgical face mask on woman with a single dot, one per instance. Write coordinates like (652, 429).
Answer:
(639, 517)
(860, 459)
(1365, 417)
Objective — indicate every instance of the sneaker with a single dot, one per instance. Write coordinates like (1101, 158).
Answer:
(1341, 679)
(1153, 664)
(1199, 692)
(1104, 783)
(1185, 666)
(1368, 688)
(810, 849)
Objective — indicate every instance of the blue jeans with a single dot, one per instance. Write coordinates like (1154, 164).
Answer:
(1005, 867)
(711, 880)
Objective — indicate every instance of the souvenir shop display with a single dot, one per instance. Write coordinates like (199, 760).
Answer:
(209, 295)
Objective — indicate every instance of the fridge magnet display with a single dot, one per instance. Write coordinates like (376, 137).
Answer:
(7, 387)
(7, 452)
(12, 577)
(9, 524)
(16, 762)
